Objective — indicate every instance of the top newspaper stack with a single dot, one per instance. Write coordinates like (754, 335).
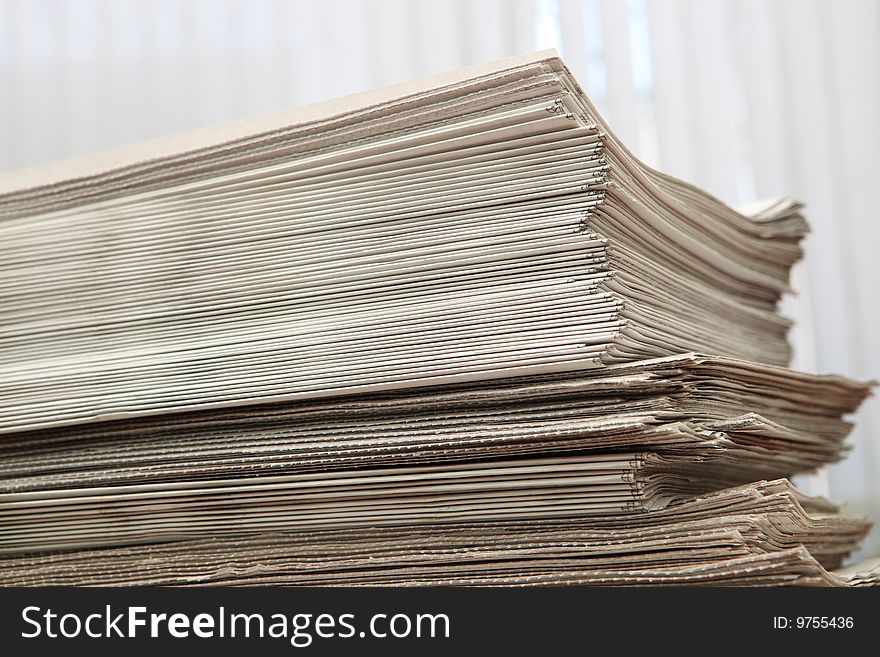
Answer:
(477, 225)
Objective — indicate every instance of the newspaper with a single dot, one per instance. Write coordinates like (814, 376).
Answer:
(758, 534)
(448, 332)
(481, 225)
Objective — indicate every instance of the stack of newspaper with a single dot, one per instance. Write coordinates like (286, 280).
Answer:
(759, 534)
(450, 332)
(469, 227)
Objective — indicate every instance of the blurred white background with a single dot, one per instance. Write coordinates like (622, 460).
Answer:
(747, 98)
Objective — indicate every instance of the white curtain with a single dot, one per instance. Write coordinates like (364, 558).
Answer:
(747, 98)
